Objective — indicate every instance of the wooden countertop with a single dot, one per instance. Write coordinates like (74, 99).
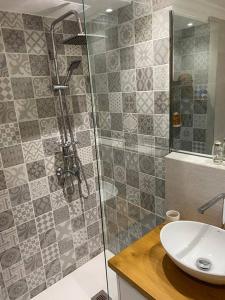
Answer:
(145, 265)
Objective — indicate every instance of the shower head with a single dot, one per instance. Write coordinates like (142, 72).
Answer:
(82, 38)
(73, 66)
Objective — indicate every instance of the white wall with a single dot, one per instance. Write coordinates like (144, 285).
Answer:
(191, 181)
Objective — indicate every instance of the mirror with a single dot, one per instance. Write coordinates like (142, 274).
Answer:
(198, 77)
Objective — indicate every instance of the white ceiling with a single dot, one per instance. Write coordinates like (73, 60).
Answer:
(55, 8)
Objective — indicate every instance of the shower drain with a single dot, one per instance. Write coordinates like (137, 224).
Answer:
(101, 296)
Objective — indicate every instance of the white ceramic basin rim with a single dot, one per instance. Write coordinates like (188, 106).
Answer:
(185, 242)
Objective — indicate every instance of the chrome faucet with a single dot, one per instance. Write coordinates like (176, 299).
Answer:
(212, 202)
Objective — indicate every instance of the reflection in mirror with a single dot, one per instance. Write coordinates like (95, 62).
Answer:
(198, 85)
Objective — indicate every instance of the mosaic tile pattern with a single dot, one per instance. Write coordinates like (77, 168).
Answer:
(37, 243)
(191, 98)
(132, 116)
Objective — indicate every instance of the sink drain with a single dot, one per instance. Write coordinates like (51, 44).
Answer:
(203, 264)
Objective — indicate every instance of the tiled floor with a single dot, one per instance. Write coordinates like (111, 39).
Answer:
(83, 283)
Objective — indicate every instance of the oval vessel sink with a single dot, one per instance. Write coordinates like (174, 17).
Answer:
(197, 248)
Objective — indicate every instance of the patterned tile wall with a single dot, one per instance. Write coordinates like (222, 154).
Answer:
(190, 88)
(42, 236)
(130, 75)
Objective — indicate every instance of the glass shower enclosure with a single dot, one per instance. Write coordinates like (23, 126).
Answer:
(131, 129)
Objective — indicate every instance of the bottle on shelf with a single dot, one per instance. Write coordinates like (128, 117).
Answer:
(217, 153)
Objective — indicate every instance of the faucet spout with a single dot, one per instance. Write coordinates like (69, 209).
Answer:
(211, 203)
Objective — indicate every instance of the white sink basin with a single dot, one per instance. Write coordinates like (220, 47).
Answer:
(193, 245)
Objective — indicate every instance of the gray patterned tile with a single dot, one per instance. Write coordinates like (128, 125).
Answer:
(15, 176)
(144, 79)
(32, 22)
(3, 66)
(100, 63)
(114, 84)
(36, 42)
(161, 126)
(161, 78)
(45, 222)
(7, 220)
(50, 253)
(142, 8)
(12, 156)
(33, 263)
(125, 13)
(26, 110)
(145, 102)
(14, 40)
(143, 29)
(39, 188)
(29, 247)
(29, 131)
(9, 135)
(11, 20)
(42, 87)
(128, 81)
(161, 51)
(161, 102)
(26, 230)
(17, 289)
(126, 34)
(144, 54)
(33, 151)
(19, 195)
(112, 43)
(22, 88)
(23, 213)
(39, 65)
(127, 59)
(36, 170)
(47, 238)
(113, 61)
(145, 124)
(36, 278)
(5, 89)
(7, 112)
(18, 65)
(52, 268)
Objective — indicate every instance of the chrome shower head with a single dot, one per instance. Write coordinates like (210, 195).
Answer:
(73, 66)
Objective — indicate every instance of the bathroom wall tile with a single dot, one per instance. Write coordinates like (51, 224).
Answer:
(100, 63)
(54, 184)
(61, 215)
(7, 216)
(20, 286)
(7, 112)
(36, 170)
(113, 61)
(45, 222)
(161, 125)
(116, 121)
(9, 135)
(199, 135)
(52, 268)
(1, 43)
(50, 253)
(51, 146)
(42, 205)
(160, 188)
(4, 201)
(33, 151)
(49, 127)
(36, 42)
(46, 107)
(160, 24)
(38, 290)
(144, 54)
(125, 13)
(23, 213)
(47, 238)
(128, 81)
(147, 164)
(145, 102)
(29, 131)
(126, 34)
(11, 20)
(161, 102)
(5, 89)
(22, 88)
(32, 22)
(114, 84)
(161, 78)
(145, 124)
(112, 43)
(39, 188)
(26, 110)
(14, 40)
(161, 51)
(55, 278)
(36, 278)
(42, 87)
(39, 65)
(33, 263)
(130, 123)
(147, 183)
(143, 29)
(3, 66)
(12, 156)
(159, 4)
(142, 8)
(19, 195)
(127, 59)
(13, 274)
(26, 230)
(18, 65)
(144, 79)
(29, 247)
(15, 176)
(129, 102)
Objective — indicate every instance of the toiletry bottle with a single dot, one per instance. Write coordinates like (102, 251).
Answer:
(217, 153)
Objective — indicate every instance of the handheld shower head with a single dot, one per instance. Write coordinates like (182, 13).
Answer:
(74, 65)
